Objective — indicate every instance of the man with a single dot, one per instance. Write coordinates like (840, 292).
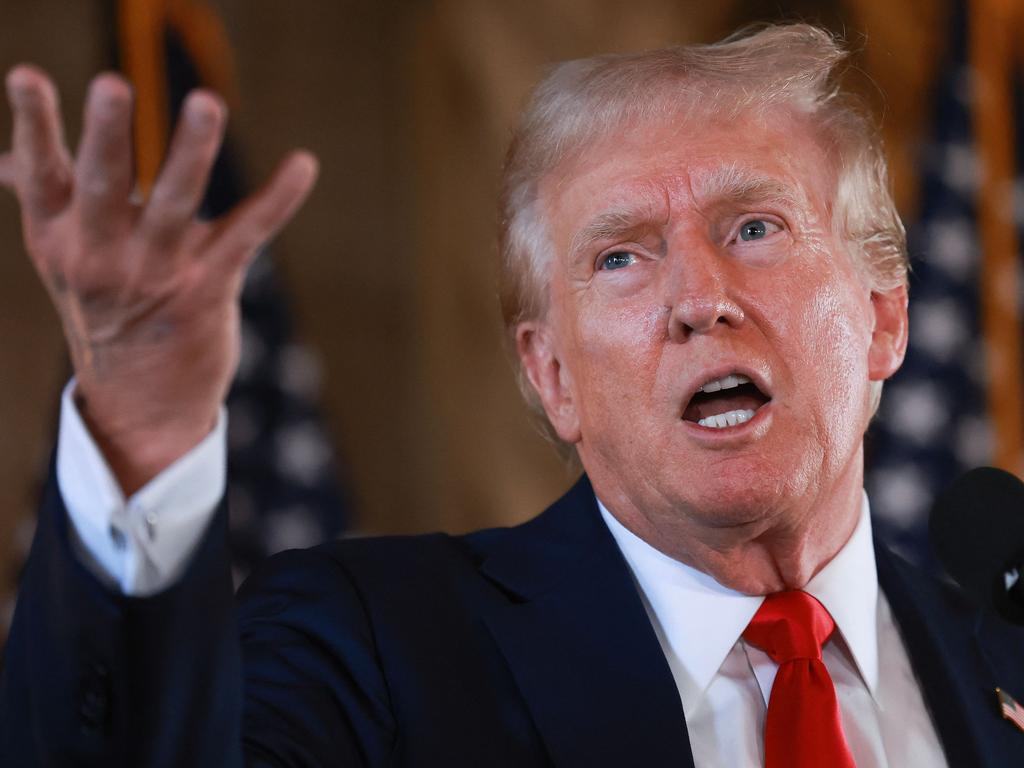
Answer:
(705, 281)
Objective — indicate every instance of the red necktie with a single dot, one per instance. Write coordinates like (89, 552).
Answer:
(804, 728)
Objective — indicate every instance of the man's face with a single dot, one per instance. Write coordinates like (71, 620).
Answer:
(686, 255)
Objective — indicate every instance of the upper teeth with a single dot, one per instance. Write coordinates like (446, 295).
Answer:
(730, 381)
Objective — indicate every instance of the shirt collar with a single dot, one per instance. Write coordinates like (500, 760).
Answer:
(848, 588)
(674, 593)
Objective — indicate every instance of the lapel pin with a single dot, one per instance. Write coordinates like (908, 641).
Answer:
(1010, 708)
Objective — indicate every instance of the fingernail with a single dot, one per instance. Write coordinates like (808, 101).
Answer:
(201, 109)
(310, 160)
(110, 91)
(16, 84)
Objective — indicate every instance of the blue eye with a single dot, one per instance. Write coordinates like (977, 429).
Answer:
(754, 230)
(617, 260)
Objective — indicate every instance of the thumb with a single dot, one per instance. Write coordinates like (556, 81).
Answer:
(7, 170)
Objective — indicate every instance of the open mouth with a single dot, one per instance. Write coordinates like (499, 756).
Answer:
(725, 402)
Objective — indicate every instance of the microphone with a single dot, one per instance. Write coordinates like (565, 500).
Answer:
(977, 533)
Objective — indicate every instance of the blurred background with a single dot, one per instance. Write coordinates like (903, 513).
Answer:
(375, 395)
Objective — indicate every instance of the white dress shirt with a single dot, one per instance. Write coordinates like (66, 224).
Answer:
(142, 545)
(725, 684)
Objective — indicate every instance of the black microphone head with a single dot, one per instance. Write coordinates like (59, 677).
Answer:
(977, 533)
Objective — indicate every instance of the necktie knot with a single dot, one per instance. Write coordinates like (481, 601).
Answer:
(790, 625)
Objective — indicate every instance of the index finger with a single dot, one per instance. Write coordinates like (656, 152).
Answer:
(42, 163)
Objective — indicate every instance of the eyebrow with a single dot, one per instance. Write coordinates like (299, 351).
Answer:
(612, 225)
(735, 184)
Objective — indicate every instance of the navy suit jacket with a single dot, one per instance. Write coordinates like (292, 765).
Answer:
(526, 646)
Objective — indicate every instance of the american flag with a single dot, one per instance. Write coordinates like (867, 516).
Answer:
(1010, 708)
(933, 423)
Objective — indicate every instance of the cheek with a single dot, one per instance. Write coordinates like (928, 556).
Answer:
(830, 359)
(617, 360)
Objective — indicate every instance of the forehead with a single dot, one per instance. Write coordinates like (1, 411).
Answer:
(665, 167)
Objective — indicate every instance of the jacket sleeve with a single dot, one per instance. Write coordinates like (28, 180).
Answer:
(94, 678)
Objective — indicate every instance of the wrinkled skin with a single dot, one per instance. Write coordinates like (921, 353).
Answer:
(147, 293)
(666, 296)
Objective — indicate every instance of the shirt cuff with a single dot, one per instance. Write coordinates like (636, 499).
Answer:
(143, 544)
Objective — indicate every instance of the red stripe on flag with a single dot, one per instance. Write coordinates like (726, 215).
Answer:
(1011, 709)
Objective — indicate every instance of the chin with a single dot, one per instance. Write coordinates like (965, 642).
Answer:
(727, 511)
(741, 491)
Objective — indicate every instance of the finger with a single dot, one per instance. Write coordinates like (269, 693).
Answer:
(7, 173)
(260, 216)
(42, 165)
(103, 170)
(179, 189)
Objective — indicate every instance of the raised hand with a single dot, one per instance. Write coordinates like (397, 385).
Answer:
(147, 294)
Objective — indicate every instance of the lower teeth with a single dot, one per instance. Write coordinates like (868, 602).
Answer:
(727, 419)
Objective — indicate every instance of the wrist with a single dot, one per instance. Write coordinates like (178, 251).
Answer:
(138, 448)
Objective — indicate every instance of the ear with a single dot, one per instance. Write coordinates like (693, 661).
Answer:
(538, 354)
(889, 336)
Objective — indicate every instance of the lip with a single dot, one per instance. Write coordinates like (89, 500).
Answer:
(723, 437)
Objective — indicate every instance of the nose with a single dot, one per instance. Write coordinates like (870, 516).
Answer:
(698, 297)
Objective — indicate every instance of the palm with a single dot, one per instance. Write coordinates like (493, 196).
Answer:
(147, 293)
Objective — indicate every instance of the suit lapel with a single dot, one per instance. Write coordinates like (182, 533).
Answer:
(576, 637)
(959, 660)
